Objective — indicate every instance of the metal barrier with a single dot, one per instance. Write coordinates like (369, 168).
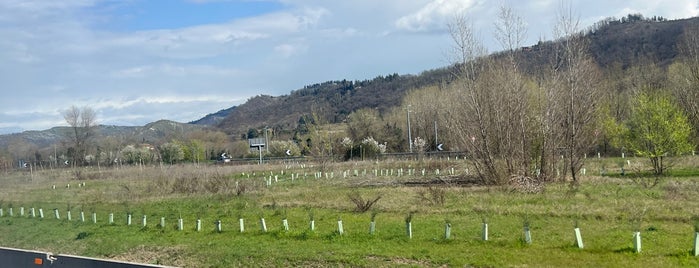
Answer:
(12, 257)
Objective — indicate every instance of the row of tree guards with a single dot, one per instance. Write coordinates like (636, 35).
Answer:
(218, 226)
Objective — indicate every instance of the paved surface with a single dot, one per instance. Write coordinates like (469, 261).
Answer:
(19, 258)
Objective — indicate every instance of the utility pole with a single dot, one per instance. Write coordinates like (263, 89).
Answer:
(410, 137)
(266, 141)
(436, 144)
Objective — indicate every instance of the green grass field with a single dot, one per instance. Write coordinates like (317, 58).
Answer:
(608, 210)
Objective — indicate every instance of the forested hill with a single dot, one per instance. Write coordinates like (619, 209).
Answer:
(613, 43)
(329, 102)
(213, 119)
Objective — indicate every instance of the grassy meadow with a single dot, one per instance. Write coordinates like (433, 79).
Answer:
(608, 209)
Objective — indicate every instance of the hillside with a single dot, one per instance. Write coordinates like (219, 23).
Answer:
(612, 43)
(213, 118)
(150, 133)
(330, 101)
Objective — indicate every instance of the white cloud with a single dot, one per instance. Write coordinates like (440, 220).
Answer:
(675, 10)
(433, 15)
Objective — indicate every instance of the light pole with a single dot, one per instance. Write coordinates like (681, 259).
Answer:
(410, 137)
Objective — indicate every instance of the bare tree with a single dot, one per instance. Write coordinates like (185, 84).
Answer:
(471, 97)
(512, 101)
(493, 124)
(426, 107)
(82, 122)
(684, 75)
(576, 80)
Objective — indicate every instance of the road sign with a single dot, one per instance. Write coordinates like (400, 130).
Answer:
(439, 147)
(257, 142)
(288, 152)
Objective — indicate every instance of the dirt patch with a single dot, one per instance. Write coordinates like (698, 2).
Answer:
(459, 181)
(170, 256)
(455, 181)
(393, 261)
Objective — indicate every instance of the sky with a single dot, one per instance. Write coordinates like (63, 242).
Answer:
(138, 61)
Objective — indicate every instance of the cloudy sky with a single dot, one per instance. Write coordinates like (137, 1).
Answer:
(138, 61)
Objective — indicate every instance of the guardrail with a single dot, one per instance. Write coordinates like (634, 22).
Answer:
(20, 258)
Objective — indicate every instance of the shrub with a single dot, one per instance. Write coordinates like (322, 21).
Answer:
(362, 205)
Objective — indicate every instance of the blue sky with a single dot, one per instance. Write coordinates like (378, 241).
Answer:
(138, 61)
(169, 14)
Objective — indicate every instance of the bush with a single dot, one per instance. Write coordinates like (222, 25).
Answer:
(362, 205)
